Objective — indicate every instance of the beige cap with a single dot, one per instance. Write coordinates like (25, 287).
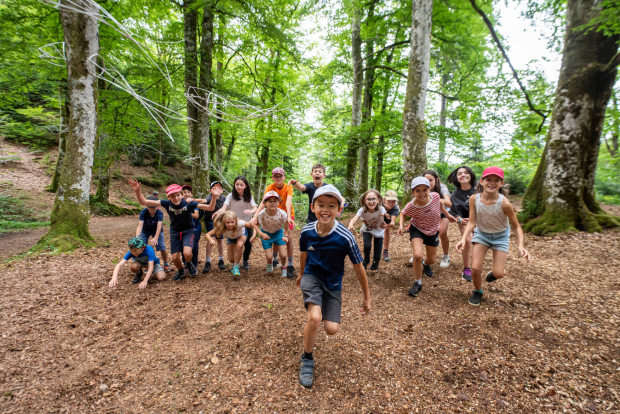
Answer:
(391, 195)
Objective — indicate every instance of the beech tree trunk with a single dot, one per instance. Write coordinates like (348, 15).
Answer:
(562, 191)
(613, 148)
(414, 129)
(71, 211)
(442, 122)
(356, 112)
(190, 21)
(62, 144)
(369, 81)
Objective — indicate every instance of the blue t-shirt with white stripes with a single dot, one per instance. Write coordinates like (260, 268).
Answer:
(326, 254)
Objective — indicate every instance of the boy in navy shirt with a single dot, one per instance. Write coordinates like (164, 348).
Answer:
(150, 225)
(318, 174)
(323, 247)
(143, 256)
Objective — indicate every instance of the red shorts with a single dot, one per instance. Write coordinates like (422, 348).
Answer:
(290, 226)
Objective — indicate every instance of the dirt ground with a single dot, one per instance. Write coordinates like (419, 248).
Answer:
(544, 340)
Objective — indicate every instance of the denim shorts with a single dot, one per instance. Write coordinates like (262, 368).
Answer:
(496, 241)
(179, 240)
(274, 238)
(161, 243)
(156, 268)
(234, 241)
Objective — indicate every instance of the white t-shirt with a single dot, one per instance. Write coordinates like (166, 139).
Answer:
(238, 206)
(372, 221)
(444, 190)
(271, 224)
(231, 234)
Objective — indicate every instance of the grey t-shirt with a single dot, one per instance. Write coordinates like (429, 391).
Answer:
(238, 206)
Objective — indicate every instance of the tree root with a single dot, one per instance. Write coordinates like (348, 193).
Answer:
(550, 223)
(55, 243)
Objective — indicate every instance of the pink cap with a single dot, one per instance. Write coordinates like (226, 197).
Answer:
(173, 188)
(278, 170)
(493, 171)
(270, 194)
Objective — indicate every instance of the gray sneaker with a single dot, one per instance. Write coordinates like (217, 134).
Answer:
(475, 298)
(306, 372)
(246, 265)
(445, 261)
(269, 268)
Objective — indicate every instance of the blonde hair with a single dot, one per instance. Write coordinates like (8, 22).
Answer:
(363, 200)
(219, 224)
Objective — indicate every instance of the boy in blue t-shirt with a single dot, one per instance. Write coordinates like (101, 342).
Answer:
(150, 225)
(144, 256)
(323, 246)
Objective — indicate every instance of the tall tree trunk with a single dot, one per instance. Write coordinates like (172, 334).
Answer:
(62, 144)
(414, 129)
(71, 211)
(229, 150)
(356, 112)
(613, 148)
(369, 81)
(381, 143)
(565, 198)
(442, 121)
(102, 194)
(219, 134)
(190, 21)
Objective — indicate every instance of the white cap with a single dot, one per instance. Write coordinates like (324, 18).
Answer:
(328, 189)
(420, 181)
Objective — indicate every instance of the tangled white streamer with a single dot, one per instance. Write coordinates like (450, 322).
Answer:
(53, 52)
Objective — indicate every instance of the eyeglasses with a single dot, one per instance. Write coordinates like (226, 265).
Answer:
(371, 200)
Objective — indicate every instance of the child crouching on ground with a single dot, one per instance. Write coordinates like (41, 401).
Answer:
(144, 256)
(323, 247)
(235, 231)
(271, 220)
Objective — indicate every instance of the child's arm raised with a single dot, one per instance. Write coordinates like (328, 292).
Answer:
(514, 223)
(471, 224)
(114, 280)
(136, 186)
(297, 185)
(149, 273)
(215, 195)
(361, 277)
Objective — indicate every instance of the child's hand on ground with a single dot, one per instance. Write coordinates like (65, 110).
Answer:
(135, 185)
(143, 284)
(365, 307)
(113, 282)
(524, 253)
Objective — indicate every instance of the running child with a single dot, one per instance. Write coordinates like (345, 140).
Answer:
(188, 195)
(464, 179)
(150, 225)
(323, 247)
(425, 211)
(241, 202)
(391, 206)
(271, 220)
(143, 256)
(373, 215)
(181, 224)
(490, 218)
(285, 192)
(235, 230)
(318, 175)
(440, 188)
(214, 201)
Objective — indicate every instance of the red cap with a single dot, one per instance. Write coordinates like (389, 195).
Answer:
(173, 188)
(270, 194)
(493, 171)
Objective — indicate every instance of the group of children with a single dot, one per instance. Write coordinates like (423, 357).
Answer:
(484, 221)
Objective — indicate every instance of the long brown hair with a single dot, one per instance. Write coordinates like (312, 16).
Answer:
(363, 199)
(432, 173)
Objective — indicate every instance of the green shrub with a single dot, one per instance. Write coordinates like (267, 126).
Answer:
(157, 180)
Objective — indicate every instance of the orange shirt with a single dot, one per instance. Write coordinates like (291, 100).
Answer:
(285, 192)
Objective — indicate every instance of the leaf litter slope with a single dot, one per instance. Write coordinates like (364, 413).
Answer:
(543, 340)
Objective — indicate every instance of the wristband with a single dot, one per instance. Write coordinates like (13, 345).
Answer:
(458, 220)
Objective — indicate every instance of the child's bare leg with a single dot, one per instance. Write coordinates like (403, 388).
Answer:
(240, 242)
(164, 255)
(220, 246)
(386, 239)
(281, 251)
(161, 275)
(312, 325)
(431, 255)
(467, 247)
(418, 256)
(232, 250)
(209, 249)
(443, 235)
(176, 259)
(480, 250)
(499, 264)
(331, 328)
(289, 247)
(135, 267)
(188, 254)
(269, 255)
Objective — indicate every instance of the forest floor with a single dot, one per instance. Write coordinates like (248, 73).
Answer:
(545, 339)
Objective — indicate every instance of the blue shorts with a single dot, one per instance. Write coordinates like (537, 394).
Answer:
(496, 241)
(234, 241)
(161, 243)
(179, 240)
(274, 238)
(209, 227)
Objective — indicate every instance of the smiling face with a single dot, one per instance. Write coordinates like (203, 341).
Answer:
(278, 179)
(326, 209)
(318, 175)
(240, 187)
(175, 198)
(421, 194)
(462, 175)
(389, 204)
(371, 200)
(230, 223)
(491, 183)
(137, 252)
(272, 203)
(187, 193)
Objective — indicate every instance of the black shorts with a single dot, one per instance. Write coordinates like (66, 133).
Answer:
(432, 241)
(443, 216)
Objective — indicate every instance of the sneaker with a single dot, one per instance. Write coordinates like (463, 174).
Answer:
(246, 265)
(138, 277)
(235, 271)
(415, 289)
(275, 262)
(207, 267)
(221, 264)
(269, 268)
(179, 275)
(490, 277)
(467, 274)
(365, 263)
(428, 270)
(386, 256)
(306, 372)
(283, 272)
(475, 298)
(411, 260)
(166, 267)
(290, 271)
(375, 265)
(192, 269)
(445, 261)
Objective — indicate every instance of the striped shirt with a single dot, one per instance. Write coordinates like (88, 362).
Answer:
(425, 218)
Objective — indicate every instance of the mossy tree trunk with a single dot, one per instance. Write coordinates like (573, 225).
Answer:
(62, 144)
(71, 211)
(367, 101)
(442, 121)
(414, 129)
(190, 21)
(562, 192)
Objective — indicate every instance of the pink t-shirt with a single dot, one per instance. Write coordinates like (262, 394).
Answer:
(425, 218)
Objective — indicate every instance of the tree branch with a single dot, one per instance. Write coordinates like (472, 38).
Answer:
(393, 45)
(514, 72)
(386, 68)
(613, 63)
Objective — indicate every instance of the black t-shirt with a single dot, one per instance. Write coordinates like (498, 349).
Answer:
(150, 222)
(392, 212)
(180, 214)
(207, 216)
(310, 190)
(460, 201)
